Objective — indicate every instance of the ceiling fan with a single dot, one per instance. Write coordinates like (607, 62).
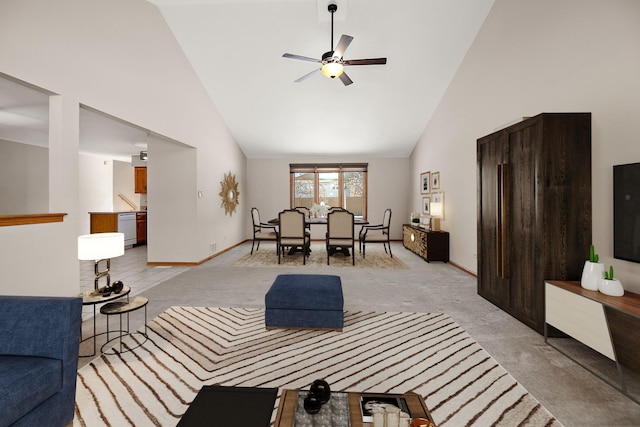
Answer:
(333, 62)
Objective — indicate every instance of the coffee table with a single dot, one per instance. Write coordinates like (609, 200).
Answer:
(287, 408)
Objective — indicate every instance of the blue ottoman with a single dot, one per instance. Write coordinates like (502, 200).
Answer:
(305, 301)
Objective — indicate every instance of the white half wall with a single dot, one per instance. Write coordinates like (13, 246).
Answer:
(531, 57)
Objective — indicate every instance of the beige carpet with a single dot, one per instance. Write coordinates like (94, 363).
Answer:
(383, 352)
(268, 257)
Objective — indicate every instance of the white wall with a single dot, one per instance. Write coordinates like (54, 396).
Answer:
(118, 57)
(101, 179)
(95, 188)
(388, 185)
(531, 57)
(124, 183)
(24, 178)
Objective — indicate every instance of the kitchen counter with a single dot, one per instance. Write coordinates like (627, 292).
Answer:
(114, 212)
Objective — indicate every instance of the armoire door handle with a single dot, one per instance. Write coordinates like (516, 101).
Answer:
(502, 229)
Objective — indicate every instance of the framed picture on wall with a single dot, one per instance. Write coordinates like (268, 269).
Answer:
(435, 180)
(426, 203)
(425, 182)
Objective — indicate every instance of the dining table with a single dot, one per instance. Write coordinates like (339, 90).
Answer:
(321, 221)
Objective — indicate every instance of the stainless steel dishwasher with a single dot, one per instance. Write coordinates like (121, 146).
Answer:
(127, 225)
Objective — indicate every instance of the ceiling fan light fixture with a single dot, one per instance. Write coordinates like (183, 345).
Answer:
(333, 61)
(332, 69)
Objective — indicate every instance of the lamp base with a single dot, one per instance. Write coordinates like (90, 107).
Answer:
(106, 290)
(101, 292)
(435, 224)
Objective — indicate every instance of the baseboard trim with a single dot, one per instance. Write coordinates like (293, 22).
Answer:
(202, 261)
(193, 264)
(459, 267)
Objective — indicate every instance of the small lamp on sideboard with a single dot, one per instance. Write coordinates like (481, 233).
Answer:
(436, 209)
(100, 247)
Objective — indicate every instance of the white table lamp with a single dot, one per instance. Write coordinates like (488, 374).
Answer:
(101, 247)
(436, 211)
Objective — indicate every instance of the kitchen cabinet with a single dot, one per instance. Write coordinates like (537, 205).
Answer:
(140, 177)
(103, 223)
(141, 228)
(430, 245)
(534, 210)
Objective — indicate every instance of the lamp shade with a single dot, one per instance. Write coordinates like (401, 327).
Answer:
(332, 69)
(436, 209)
(100, 246)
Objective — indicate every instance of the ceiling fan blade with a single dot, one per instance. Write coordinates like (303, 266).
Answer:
(343, 44)
(345, 79)
(300, 57)
(306, 76)
(371, 61)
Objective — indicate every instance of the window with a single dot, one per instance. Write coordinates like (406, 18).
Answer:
(331, 184)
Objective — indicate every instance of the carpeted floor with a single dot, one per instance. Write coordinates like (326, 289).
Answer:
(268, 257)
(378, 351)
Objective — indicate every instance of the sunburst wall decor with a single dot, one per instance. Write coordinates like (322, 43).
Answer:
(229, 193)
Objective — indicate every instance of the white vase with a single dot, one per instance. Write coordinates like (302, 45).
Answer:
(611, 287)
(591, 274)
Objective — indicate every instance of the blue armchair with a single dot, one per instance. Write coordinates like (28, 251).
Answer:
(39, 342)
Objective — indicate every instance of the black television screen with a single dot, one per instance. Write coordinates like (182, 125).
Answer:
(626, 212)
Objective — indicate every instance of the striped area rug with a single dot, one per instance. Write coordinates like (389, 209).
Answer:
(377, 352)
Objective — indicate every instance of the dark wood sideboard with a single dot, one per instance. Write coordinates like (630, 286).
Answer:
(430, 245)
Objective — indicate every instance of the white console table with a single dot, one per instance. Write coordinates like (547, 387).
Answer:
(607, 324)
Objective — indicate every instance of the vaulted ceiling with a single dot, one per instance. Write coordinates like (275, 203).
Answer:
(236, 49)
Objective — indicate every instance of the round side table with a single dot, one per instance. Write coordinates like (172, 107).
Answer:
(94, 299)
(119, 308)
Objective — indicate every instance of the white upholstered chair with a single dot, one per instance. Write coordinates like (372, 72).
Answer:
(292, 233)
(340, 233)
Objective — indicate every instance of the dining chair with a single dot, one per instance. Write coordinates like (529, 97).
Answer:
(378, 233)
(262, 231)
(292, 233)
(305, 210)
(307, 214)
(340, 233)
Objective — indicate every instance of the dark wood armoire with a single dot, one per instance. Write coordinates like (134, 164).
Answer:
(534, 210)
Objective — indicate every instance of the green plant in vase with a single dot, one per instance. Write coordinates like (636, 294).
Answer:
(608, 275)
(592, 271)
(609, 285)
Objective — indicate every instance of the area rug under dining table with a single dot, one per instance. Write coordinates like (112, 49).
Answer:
(267, 256)
(390, 352)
